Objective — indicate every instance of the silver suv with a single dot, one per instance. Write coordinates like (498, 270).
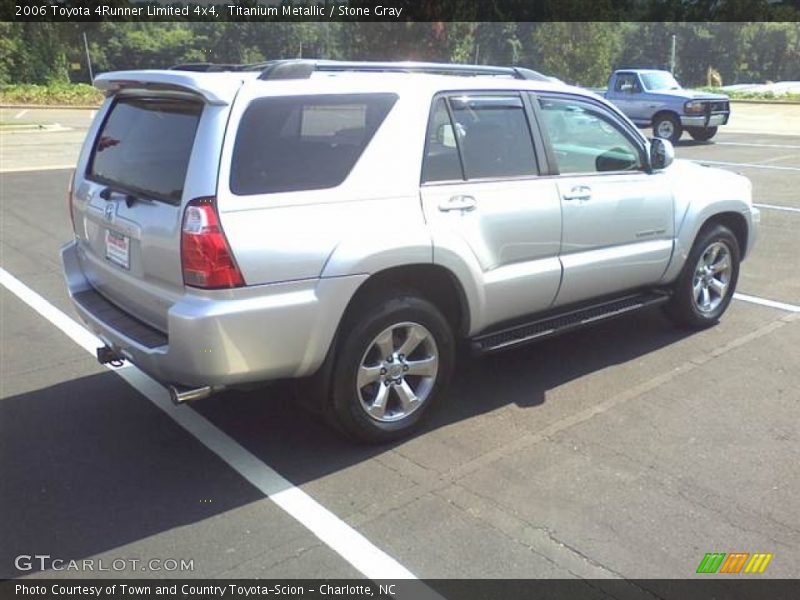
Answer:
(349, 223)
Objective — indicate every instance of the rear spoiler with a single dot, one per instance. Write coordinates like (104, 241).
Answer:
(214, 88)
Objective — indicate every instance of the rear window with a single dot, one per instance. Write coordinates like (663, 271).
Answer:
(292, 143)
(144, 146)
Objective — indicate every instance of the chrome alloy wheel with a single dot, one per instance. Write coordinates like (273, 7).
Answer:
(665, 129)
(712, 276)
(397, 372)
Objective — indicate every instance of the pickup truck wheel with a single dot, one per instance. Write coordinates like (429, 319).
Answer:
(391, 367)
(668, 127)
(706, 284)
(702, 134)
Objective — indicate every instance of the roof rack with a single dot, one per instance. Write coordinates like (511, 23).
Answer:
(219, 67)
(304, 68)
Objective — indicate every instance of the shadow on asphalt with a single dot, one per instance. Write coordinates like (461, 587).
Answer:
(690, 143)
(89, 465)
(303, 448)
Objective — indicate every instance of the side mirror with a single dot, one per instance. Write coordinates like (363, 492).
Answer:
(661, 153)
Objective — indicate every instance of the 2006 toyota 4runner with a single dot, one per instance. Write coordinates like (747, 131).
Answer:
(352, 222)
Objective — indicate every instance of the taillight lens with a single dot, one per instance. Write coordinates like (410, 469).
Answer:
(70, 192)
(206, 256)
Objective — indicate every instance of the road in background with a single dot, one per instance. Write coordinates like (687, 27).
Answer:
(628, 449)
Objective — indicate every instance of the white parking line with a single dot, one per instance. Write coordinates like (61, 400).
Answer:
(746, 165)
(30, 169)
(368, 559)
(789, 146)
(777, 207)
(20, 114)
(764, 302)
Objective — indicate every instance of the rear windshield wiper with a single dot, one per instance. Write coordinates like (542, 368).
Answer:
(107, 192)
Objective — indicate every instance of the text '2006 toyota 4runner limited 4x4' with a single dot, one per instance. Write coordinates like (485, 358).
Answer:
(348, 224)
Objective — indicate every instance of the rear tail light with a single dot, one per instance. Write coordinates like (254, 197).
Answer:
(205, 254)
(70, 192)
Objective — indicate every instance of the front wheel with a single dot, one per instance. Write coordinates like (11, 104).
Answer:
(702, 134)
(706, 285)
(668, 127)
(391, 366)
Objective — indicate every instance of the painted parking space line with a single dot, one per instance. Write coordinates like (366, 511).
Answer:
(31, 169)
(20, 114)
(765, 302)
(348, 543)
(746, 165)
(776, 207)
(747, 145)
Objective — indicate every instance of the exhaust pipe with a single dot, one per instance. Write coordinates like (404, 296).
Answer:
(179, 395)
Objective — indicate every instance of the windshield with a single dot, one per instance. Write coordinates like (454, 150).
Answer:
(660, 80)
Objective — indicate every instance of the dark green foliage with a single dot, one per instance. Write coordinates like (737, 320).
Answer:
(581, 52)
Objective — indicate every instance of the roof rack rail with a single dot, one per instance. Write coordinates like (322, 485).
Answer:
(304, 68)
(219, 67)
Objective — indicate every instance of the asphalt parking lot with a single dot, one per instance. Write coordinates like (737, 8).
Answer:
(627, 450)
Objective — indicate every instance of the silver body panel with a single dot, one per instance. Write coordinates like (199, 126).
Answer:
(303, 255)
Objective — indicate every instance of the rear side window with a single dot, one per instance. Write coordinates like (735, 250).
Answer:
(144, 146)
(494, 137)
(292, 143)
(441, 150)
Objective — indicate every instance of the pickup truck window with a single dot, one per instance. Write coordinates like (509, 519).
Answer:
(627, 82)
(586, 138)
(494, 137)
(660, 80)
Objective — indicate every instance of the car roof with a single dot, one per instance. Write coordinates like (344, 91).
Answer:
(222, 87)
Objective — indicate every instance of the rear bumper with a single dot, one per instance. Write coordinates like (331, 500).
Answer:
(713, 120)
(221, 337)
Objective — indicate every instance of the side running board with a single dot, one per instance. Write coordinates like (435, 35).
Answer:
(556, 324)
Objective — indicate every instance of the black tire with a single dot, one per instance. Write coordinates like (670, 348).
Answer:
(667, 122)
(684, 308)
(358, 343)
(702, 134)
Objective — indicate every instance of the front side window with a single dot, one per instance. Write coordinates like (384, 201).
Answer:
(292, 143)
(493, 136)
(586, 138)
(627, 82)
(144, 146)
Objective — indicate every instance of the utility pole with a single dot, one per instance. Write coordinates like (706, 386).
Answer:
(88, 58)
(672, 56)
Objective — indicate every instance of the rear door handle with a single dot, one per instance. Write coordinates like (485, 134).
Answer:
(579, 192)
(458, 202)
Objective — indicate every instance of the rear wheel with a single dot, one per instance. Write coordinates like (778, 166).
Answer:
(702, 134)
(391, 366)
(668, 127)
(706, 284)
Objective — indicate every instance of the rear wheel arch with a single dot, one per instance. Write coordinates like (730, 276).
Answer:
(434, 283)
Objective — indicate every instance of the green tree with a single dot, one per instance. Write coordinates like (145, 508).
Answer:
(576, 52)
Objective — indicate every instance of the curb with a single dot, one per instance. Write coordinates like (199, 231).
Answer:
(52, 106)
(779, 102)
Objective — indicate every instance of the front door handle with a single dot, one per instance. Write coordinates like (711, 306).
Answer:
(458, 202)
(579, 192)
